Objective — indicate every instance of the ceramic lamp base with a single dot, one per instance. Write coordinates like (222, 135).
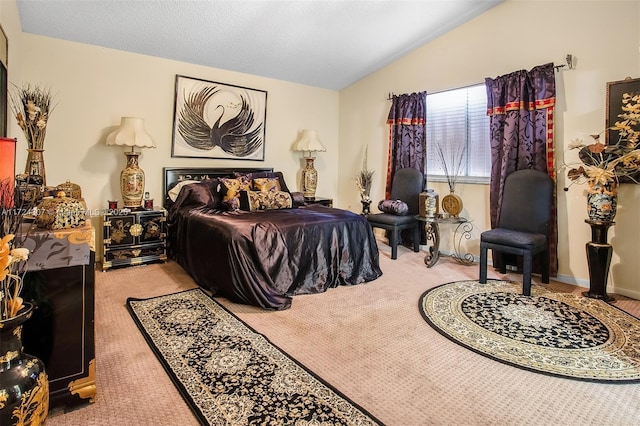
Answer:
(309, 179)
(132, 182)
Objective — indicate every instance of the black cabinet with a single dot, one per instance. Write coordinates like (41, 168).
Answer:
(61, 330)
(134, 237)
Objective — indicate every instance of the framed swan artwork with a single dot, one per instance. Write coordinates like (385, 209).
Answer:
(217, 120)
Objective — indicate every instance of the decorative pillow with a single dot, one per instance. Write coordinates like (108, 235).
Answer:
(256, 175)
(173, 192)
(265, 200)
(267, 184)
(397, 207)
(214, 186)
(231, 189)
(197, 195)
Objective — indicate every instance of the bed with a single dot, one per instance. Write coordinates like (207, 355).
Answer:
(263, 257)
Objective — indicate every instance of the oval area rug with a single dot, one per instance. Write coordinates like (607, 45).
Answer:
(554, 333)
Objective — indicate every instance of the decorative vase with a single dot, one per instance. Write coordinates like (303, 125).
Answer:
(309, 179)
(602, 202)
(132, 181)
(24, 386)
(428, 203)
(35, 164)
(366, 207)
(452, 204)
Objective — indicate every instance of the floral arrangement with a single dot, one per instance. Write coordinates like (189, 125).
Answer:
(11, 258)
(11, 281)
(32, 108)
(364, 180)
(606, 165)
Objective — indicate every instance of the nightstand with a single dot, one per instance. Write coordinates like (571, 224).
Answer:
(134, 237)
(319, 200)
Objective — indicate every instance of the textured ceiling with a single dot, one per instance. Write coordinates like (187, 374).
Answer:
(323, 43)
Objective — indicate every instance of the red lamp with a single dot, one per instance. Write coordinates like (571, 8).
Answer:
(8, 168)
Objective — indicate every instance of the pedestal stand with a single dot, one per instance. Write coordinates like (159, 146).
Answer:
(599, 259)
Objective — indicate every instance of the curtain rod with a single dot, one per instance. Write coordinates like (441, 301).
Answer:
(571, 64)
(391, 94)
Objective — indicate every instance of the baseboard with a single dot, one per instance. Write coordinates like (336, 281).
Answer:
(566, 279)
(625, 292)
(584, 282)
(569, 279)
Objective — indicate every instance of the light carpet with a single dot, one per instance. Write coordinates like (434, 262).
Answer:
(231, 375)
(549, 332)
(369, 341)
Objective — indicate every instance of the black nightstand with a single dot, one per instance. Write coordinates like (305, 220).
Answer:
(134, 237)
(319, 200)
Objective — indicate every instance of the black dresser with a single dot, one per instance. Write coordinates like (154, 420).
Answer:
(61, 281)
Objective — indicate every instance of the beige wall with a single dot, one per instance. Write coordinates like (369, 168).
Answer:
(602, 36)
(95, 86)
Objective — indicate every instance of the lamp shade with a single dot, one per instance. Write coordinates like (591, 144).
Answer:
(131, 133)
(308, 141)
(7, 170)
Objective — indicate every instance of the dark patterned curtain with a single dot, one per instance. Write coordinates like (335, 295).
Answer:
(407, 129)
(521, 107)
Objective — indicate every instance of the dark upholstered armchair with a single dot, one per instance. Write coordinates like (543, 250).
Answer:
(523, 225)
(406, 186)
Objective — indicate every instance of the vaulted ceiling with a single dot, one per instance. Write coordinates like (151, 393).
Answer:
(323, 43)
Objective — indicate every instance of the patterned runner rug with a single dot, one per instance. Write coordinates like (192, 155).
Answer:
(231, 375)
(560, 334)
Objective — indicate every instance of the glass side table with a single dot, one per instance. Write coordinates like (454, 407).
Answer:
(462, 229)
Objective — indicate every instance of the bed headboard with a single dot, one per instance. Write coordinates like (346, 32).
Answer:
(174, 175)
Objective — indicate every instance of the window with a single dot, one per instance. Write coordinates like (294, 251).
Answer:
(457, 123)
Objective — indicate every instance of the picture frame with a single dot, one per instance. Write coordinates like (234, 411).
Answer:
(218, 120)
(615, 90)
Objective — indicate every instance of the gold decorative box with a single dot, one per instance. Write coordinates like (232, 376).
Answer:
(71, 190)
(60, 212)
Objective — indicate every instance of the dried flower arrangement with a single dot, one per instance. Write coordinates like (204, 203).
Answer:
(12, 258)
(365, 179)
(606, 165)
(32, 107)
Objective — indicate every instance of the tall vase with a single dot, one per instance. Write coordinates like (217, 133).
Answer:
(132, 181)
(602, 202)
(366, 207)
(35, 164)
(309, 179)
(24, 386)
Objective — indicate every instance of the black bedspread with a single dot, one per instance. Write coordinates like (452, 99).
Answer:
(263, 258)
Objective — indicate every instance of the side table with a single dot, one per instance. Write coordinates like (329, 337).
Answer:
(134, 237)
(319, 200)
(599, 259)
(462, 230)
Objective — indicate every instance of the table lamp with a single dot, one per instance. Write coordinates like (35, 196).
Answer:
(131, 133)
(308, 141)
(7, 171)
